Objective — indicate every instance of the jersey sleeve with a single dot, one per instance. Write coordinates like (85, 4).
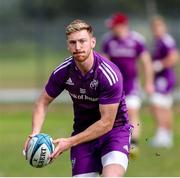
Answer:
(141, 47)
(111, 88)
(140, 43)
(55, 84)
(169, 43)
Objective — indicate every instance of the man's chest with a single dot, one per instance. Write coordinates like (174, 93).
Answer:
(82, 89)
(122, 49)
(159, 50)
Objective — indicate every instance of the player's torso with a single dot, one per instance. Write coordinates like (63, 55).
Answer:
(162, 46)
(124, 53)
(166, 79)
(87, 90)
(82, 89)
(159, 50)
(122, 49)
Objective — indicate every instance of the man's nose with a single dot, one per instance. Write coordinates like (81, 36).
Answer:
(78, 46)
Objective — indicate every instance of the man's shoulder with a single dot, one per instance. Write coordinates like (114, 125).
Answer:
(64, 66)
(168, 40)
(104, 60)
(107, 70)
(138, 37)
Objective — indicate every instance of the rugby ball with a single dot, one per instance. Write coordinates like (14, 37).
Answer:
(39, 149)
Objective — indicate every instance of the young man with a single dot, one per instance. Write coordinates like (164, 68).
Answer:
(100, 140)
(165, 56)
(124, 47)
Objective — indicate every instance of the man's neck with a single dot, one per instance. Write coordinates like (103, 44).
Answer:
(123, 35)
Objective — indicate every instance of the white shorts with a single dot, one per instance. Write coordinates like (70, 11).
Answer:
(133, 101)
(162, 100)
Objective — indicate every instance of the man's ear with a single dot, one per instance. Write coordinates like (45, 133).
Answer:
(93, 42)
(67, 45)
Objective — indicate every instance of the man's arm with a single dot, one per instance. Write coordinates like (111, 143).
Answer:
(148, 71)
(171, 59)
(99, 128)
(39, 112)
(39, 115)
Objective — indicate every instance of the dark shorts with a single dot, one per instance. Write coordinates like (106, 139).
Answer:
(87, 157)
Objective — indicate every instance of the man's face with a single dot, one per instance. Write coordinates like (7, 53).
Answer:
(80, 44)
(120, 29)
(158, 28)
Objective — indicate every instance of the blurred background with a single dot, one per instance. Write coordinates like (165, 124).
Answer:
(33, 43)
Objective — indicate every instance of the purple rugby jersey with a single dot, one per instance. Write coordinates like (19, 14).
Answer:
(125, 53)
(101, 85)
(166, 79)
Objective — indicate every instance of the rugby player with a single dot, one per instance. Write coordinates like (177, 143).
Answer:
(100, 140)
(165, 56)
(125, 48)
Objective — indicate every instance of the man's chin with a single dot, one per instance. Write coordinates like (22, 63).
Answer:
(80, 58)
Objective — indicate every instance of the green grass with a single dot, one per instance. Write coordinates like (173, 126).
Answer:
(153, 161)
(23, 66)
(15, 124)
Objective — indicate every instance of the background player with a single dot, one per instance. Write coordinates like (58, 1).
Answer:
(100, 141)
(165, 56)
(124, 48)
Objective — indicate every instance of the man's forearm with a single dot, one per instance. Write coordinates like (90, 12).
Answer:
(94, 131)
(40, 112)
(167, 62)
(170, 60)
(38, 118)
(148, 72)
(147, 67)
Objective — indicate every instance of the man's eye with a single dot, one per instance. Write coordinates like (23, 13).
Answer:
(82, 41)
(72, 42)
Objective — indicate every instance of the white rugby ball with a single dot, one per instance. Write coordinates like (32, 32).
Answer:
(39, 149)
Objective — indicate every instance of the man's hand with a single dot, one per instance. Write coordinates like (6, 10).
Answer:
(26, 143)
(63, 144)
(157, 66)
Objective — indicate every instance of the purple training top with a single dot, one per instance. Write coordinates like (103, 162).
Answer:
(125, 53)
(166, 79)
(101, 85)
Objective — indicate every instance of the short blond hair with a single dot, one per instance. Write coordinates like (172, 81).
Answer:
(78, 25)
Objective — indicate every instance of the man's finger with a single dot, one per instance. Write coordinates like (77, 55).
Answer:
(25, 146)
(55, 153)
(56, 141)
(24, 152)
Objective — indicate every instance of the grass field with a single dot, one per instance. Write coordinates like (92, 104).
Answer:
(23, 66)
(15, 123)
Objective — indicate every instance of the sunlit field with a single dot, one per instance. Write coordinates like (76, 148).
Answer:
(15, 125)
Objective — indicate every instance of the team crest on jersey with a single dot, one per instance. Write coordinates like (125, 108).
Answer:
(94, 84)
